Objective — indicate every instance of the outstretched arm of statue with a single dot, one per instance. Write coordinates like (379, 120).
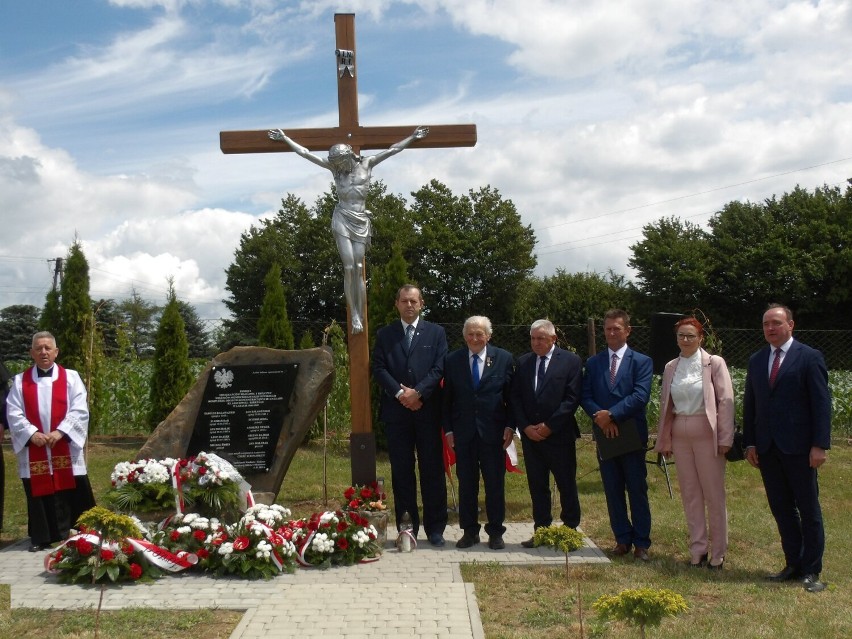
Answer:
(419, 133)
(279, 136)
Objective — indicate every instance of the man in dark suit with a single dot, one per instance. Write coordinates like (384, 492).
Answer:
(545, 395)
(408, 364)
(616, 388)
(786, 431)
(477, 379)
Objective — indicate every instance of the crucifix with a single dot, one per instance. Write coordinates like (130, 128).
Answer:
(348, 139)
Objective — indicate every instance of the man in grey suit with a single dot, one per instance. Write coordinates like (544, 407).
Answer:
(786, 432)
(545, 395)
(477, 379)
(408, 364)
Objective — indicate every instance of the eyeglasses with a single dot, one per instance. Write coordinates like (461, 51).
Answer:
(686, 338)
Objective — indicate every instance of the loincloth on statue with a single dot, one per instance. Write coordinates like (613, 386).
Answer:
(354, 225)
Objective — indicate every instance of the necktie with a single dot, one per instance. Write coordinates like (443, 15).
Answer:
(540, 377)
(776, 363)
(474, 371)
(409, 335)
(612, 368)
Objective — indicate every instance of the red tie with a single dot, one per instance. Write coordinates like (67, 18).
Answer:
(612, 368)
(776, 363)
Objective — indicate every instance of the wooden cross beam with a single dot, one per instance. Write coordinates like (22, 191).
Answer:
(349, 131)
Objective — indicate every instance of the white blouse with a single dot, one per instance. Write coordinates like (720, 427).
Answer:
(687, 389)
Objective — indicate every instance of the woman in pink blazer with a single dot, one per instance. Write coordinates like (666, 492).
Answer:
(697, 426)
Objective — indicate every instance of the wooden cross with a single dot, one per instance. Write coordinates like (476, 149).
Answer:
(349, 131)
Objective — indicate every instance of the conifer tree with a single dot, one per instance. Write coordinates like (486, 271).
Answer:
(307, 340)
(171, 376)
(50, 317)
(384, 283)
(75, 310)
(274, 329)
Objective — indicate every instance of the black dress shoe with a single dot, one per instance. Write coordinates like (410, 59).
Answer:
(436, 539)
(788, 574)
(467, 541)
(701, 562)
(812, 583)
(39, 547)
(529, 543)
(495, 542)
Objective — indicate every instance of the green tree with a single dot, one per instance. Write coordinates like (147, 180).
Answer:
(673, 264)
(196, 335)
(171, 376)
(571, 298)
(471, 253)
(51, 315)
(18, 323)
(307, 340)
(75, 310)
(274, 329)
(139, 317)
(796, 249)
(385, 280)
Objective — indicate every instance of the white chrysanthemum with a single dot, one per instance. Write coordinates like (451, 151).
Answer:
(184, 529)
(226, 549)
(328, 517)
(199, 523)
(322, 544)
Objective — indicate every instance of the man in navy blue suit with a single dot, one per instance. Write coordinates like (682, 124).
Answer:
(786, 431)
(408, 364)
(545, 395)
(616, 388)
(477, 379)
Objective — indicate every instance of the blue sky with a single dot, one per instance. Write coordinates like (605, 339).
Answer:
(594, 118)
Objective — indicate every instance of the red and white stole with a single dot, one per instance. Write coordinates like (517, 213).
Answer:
(42, 482)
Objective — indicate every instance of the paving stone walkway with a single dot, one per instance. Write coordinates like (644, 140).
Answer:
(418, 594)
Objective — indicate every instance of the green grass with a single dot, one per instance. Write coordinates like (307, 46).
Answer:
(537, 602)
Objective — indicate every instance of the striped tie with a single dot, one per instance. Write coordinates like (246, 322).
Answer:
(776, 364)
(612, 369)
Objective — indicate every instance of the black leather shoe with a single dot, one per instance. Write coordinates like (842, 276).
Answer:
(701, 562)
(495, 542)
(39, 547)
(436, 539)
(529, 543)
(812, 583)
(467, 541)
(788, 574)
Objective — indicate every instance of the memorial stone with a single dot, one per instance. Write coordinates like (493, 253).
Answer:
(255, 417)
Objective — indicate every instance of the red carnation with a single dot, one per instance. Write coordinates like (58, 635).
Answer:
(175, 535)
(107, 554)
(202, 553)
(135, 571)
(343, 543)
(349, 492)
(200, 535)
(354, 503)
(84, 547)
(202, 470)
(341, 526)
(366, 493)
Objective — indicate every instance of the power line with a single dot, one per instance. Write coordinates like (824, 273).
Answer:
(684, 197)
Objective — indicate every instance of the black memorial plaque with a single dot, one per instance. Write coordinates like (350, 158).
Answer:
(242, 412)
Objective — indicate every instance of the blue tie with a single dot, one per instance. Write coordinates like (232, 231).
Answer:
(540, 377)
(474, 371)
